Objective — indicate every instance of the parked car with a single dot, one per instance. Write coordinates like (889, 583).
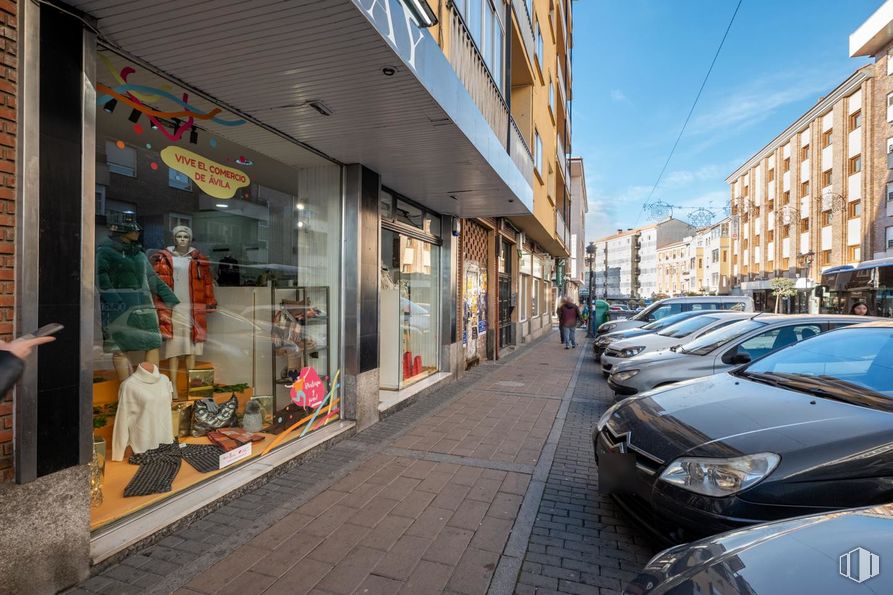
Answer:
(672, 336)
(669, 306)
(723, 349)
(600, 344)
(810, 554)
(803, 430)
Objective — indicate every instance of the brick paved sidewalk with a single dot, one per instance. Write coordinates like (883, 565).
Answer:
(422, 502)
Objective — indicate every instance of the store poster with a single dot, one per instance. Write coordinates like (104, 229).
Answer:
(471, 301)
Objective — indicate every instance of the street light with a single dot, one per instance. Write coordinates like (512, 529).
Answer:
(590, 260)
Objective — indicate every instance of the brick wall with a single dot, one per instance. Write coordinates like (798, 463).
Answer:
(8, 47)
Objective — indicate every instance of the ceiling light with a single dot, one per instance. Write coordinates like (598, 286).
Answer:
(321, 107)
(110, 105)
(389, 71)
(220, 205)
(300, 206)
(134, 116)
(300, 224)
(193, 136)
(422, 13)
(244, 161)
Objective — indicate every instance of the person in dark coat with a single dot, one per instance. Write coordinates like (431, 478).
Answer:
(568, 318)
(12, 359)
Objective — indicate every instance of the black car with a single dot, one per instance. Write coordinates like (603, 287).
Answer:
(837, 552)
(802, 430)
(600, 344)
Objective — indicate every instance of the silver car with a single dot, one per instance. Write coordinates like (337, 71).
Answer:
(670, 306)
(721, 350)
(676, 334)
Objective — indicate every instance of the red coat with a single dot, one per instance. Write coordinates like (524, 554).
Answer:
(201, 293)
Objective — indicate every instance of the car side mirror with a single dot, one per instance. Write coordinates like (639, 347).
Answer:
(736, 359)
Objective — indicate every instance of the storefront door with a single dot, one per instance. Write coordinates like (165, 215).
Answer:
(505, 311)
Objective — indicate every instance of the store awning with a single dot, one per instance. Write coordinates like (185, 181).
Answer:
(268, 59)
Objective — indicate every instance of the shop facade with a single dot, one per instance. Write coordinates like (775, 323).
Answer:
(233, 297)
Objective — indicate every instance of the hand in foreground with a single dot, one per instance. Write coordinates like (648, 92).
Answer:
(21, 347)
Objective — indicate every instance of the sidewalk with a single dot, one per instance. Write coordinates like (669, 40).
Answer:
(448, 495)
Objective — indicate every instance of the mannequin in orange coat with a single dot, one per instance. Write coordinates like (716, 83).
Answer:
(188, 273)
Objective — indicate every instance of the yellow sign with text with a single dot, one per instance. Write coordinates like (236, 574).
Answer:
(215, 179)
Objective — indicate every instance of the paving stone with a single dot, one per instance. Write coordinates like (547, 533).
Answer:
(379, 585)
(339, 543)
(248, 583)
(222, 573)
(428, 577)
(414, 504)
(386, 533)
(352, 571)
(430, 522)
(300, 579)
(401, 560)
(474, 571)
(449, 546)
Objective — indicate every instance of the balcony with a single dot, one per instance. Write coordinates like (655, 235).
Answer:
(520, 151)
(562, 160)
(474, 74)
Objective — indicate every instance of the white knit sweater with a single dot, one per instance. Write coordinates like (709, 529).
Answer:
(143, 420)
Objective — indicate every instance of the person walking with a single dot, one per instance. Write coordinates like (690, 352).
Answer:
(568, 318)
(859, 309)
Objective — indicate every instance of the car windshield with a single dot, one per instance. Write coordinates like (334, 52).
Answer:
(713, 340)
(687, 327)
(644, 314)
(853, 364)
(663, 323)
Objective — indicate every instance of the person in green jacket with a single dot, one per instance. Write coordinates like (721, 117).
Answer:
(126, 283)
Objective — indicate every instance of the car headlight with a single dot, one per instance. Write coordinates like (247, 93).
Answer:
(607, 327)
(719, 477)
(631, 351)
(624, 375)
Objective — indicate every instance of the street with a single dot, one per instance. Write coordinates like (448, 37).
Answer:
(487, 485)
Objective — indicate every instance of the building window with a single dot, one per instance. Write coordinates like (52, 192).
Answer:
(827, 178)
(178, 180)
(787, 164)
(890, 107)
(825, 258)
(804, 152)
(889, 236)
(855, 164)
(120, 158)
(826, 218)
(551, 96)
(804, 188)
(854, 253)
(804, 225)
(889, 191)
(855, 120)
(771, 176)
(538, 152)
(538, 34)
(827, 138)
(854, 209)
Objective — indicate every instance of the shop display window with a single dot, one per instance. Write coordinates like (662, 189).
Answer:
(409, 294)
(218, 250)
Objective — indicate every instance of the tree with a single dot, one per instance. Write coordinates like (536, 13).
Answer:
(782, 287)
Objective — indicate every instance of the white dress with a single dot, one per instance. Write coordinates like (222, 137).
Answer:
(180, 342)
(143, 420)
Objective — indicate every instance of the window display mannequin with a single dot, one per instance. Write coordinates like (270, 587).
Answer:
(143, 420)
(127, 285)
(185, 327)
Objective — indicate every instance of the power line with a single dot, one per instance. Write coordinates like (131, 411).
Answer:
(693, 105)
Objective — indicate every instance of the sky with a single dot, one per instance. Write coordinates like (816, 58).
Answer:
(637, 67)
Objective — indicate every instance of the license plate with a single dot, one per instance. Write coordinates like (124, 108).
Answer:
(616, 470)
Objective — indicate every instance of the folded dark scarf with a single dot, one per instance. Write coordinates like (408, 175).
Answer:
(159, 466)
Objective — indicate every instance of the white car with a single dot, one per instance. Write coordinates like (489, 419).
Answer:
(677, 334)
(670, 306)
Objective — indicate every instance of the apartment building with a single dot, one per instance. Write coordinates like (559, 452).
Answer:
(797, 205)
(350, 169)
(514, 59)
(626, 263)
(672, 269)
(574, 277)
(874, 38)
